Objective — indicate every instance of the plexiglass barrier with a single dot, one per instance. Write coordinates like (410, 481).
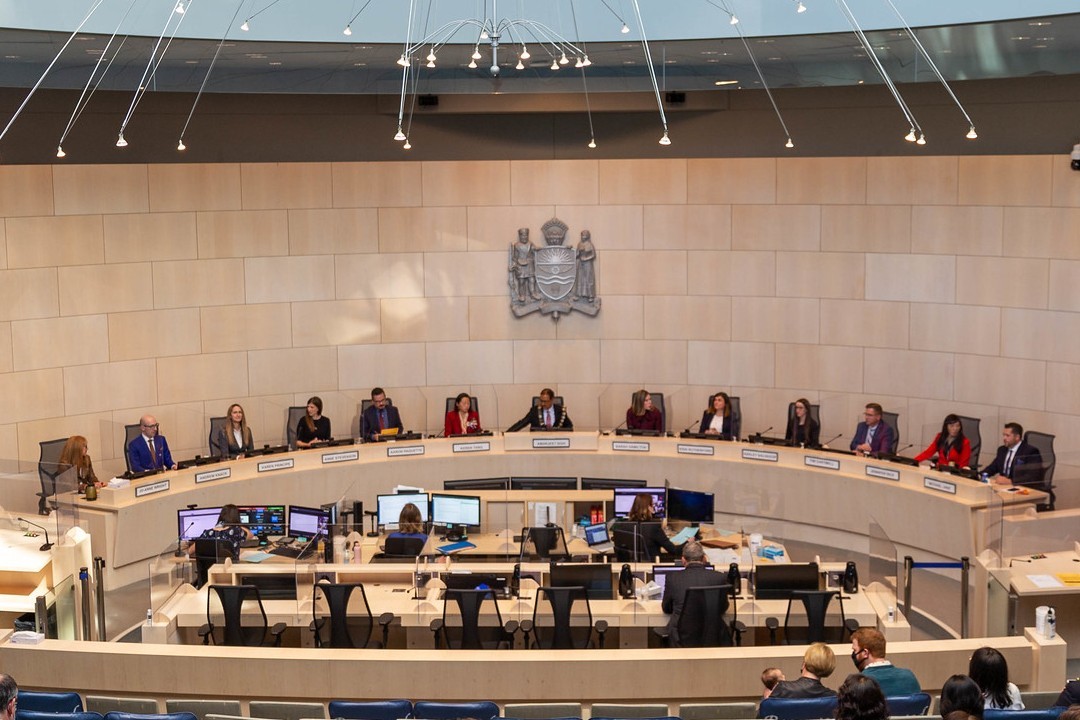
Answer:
(885, 569)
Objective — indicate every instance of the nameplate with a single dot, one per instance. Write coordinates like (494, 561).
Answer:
(343, 456)
(550, 443)
(151, 488)
(210, 475)
(766, 455)
(695, 449)
(883, 473)
(403, 450)
(629, 446)
(469, 447)
(939, 485)
(271, 465)
(820, 462)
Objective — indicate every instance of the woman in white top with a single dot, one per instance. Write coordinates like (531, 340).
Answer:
(989, 669)
(234, 439)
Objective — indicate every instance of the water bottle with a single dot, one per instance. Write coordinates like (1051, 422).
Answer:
(1051, 623)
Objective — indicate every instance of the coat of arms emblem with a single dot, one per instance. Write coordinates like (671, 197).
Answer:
(555, 278)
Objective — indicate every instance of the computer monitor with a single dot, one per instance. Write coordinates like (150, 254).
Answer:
(192, 523)
(502, 483)
(776, 581)
(690, 506)
(543, 483)
(455, 509)
(596, 578)
(624, 500)
(263, 519)
(660, 573)
(305, 523)
(610, 483)
(389, 507)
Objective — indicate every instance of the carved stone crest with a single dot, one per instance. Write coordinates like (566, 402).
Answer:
(555, 278)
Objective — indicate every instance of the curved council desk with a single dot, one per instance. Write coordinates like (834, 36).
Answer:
(820, 497)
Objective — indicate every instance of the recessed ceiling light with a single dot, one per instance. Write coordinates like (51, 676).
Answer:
(629, 62)
(726, 82)
(1020, 37)
(1040, 47)
(670, 62)
(275, 62)
(191, 62)
(1038, 23)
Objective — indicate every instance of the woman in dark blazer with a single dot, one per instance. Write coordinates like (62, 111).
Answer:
(462, 420)
(234, 438)
(717, 418)
(801, 428)
(313, 427)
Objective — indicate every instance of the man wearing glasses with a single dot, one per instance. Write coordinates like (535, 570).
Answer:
(872, 436)
(150, 451)
(8, 692)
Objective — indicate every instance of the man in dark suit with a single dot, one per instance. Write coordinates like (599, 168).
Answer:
(545, 416)
(694, 574)
(379, 416)
(150, 451)
(1016, 462)
(872, 436)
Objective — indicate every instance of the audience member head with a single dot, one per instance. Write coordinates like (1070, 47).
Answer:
(867, 645)
(642, 509)
(8, 692)
(462, 403)
(769, 678)
(960, 715)
(692, 552)
(641, 402)
(236, 419)
(410, 520)
(991, 673)
(1012, 434)
(961, 693)
(720, 404)
(860, 698)
(819, 660)
(230, 515)
(74, 452)
(1071, 713)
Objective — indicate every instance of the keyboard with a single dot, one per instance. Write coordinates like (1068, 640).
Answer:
(289, 551)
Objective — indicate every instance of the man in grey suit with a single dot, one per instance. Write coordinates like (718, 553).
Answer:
(693, 574)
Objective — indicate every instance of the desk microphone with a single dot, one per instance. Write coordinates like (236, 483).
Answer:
(827, 442)
(909, 445)
(180, 539)
(48, 545)
(757, 436)
(615, 429)
(687, 428)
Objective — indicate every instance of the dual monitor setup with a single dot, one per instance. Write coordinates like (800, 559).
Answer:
(302, 523)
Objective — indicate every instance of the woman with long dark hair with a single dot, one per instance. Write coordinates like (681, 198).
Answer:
(949, 446)
(961, 693)
(860, 698)
(313, 427)
(989, 669)
(802, 429)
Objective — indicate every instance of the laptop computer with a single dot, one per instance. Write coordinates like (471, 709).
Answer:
(598, 538)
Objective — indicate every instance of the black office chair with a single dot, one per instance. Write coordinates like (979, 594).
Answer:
(658, 403)
(130, 433)
(238, 628)
(701, 622)
(973, 433)
(1041, 478)
(403, 547)
(540, 544)
(562, 635)
(216, 426)
(48, 470)
(629, 545)
(349, 622)
(474, 403)
(816, 605)
(210, 552)
(893, 421)
(292, 419)
(468, 635)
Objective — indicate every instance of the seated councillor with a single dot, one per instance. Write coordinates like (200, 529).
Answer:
(717, 418)
(872, 436)
(75, 455)
(694, 574)
(410, 524)
(818, 662)
(462, 420)
(648, 531)
(546, 415)
(234, 438)
(150, 451)
(313, 428)
(228, 530)
(1016, 462)
(950, 447)
(990, 672)
(803, 430)
(379, 416)
(641, 415)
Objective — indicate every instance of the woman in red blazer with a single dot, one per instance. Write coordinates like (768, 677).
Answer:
(950, 446)
(462, 420)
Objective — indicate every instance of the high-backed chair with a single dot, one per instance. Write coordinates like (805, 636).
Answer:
(1043, 479)
(701, 622)
(239, 628)
(403, 547)
(915, 704)
(467, 635)
(798, 708)
(474, 403)
(542, 544)
(210, 552)
(973, 432)
(658, 403)
(481, 710)
(347, 621)
(893, 421)
(130, 433)
(216, 425)
(562, 634)
(50, 702)
(375, 710)
(201, 708)
(292, 419)
(48, 470)
(816, 605)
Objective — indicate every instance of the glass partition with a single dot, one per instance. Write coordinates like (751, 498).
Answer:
(885, 569)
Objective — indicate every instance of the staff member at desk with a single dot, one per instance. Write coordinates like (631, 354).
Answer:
(234, 439)
(694, 574)
(872, 435)
(228, 530)
(313, 427)
(462, 420)
(641, 415)
(410, 524)
(150, 451)
(950, 446)
(1016, 461)
(717, 418)
(379, 416)
(74, 455)
(649, 532)
(802, 429)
